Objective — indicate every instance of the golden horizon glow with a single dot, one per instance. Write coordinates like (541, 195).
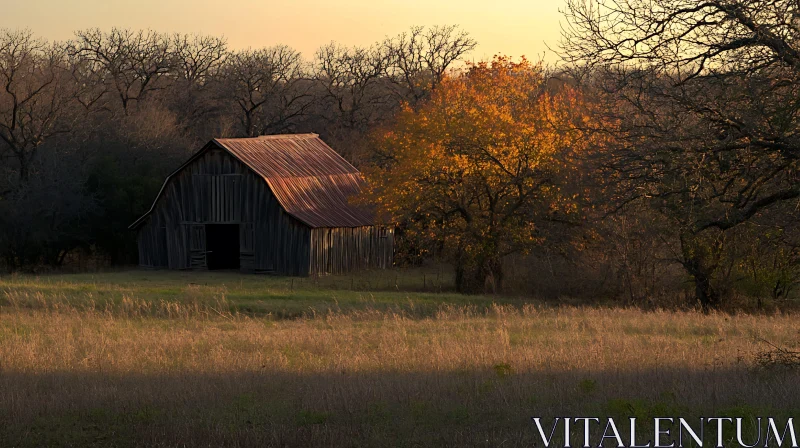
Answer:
(510, 27)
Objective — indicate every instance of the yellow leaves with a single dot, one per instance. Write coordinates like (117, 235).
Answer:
(477, 162)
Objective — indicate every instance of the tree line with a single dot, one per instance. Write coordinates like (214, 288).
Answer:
(91, 126)
(657, 163)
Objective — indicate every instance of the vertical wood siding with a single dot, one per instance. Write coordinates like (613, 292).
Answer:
(344, 249)
(152, 243)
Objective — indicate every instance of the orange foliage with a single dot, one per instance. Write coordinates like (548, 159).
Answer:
(478, 165)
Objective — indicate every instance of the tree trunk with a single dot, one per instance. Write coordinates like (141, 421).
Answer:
(704, 291)
(459, 278)
(469, 279)
(485, 276)
(24, 166)
(493, 275)
(248, 124)
(701, 255)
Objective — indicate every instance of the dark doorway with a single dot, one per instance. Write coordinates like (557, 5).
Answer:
(222, 246)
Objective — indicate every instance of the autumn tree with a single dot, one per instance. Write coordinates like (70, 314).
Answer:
(704, 97)
(475, 170)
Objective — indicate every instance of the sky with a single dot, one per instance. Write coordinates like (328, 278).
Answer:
(511, 27)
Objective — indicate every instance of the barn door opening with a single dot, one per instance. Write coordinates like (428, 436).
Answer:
(222, 246)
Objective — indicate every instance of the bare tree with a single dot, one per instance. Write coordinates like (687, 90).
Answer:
(35, 96)
(135, 63)
(351, 79)
(270, 88)
(196, 98)
(419, 58)
(699, 102)
(199, 58)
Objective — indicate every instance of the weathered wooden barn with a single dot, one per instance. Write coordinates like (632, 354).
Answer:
(272, 204)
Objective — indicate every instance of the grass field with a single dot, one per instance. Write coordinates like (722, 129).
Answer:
(383, 359)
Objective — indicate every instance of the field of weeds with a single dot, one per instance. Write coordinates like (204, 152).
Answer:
(194, 359)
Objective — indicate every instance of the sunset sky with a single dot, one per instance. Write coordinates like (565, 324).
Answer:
(512, 27)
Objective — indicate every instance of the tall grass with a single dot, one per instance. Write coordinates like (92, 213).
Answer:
(193, 370)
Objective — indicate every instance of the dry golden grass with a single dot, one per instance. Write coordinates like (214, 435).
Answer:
(183, 373)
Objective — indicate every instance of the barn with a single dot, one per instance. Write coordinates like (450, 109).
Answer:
(272, 204)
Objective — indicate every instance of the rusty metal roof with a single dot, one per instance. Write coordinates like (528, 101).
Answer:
(312, 182)
(289, 155)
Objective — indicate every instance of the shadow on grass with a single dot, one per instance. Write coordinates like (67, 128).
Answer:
(490, 407)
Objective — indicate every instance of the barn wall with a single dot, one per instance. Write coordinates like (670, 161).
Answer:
(152, 241)
(345, 249)
(216, 188)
